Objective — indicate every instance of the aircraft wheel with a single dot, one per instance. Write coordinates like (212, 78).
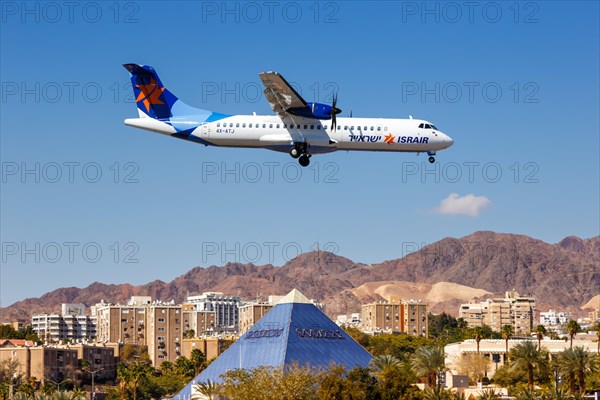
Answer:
(304, 160)
(431, 159)
(294, 152)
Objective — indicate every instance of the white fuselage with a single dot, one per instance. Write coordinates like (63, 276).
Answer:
(274, 133)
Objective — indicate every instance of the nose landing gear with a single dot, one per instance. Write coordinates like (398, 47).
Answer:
(431, 155)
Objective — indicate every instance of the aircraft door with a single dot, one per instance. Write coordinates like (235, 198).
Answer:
(205, 131)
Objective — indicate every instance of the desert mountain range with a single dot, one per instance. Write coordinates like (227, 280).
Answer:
(562, 276)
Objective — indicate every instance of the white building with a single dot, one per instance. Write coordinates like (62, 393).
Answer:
(553, 318)
(226, 309)
(72, 324)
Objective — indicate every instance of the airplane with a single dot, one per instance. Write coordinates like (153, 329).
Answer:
(299, 128)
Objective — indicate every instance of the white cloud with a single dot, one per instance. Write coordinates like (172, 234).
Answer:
(469, 204)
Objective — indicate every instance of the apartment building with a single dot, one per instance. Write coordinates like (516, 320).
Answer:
(124, 324)
(197, 323)
(226, 309)
(164, 332)
(553, 318)
(396, 316)
(251, 313)
(514, 310)
(71, 324)
(44, 363)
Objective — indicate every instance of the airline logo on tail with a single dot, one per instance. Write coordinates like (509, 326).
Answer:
(150, 94)
(152, 98)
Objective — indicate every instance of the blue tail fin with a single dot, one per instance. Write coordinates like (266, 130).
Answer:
(152, 98)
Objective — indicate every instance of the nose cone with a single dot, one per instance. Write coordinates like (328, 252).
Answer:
(448, 141)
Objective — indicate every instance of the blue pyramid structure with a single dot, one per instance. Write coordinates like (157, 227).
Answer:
(294, 331)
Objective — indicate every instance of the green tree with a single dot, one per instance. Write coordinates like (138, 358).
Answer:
(573, 329)
(576, 363)
(428, 362)
(123, 376)
(525, 355)
(209, 390)
(436, 393)
(184, 366)
(198, 360)
(478, 333)
(137, 372)
(506, 334)
(596, 327)
(540, 332)
(385, 361)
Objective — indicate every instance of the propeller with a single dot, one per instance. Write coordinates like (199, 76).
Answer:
(334, 112)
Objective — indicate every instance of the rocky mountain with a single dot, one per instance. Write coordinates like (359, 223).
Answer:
(562, 276)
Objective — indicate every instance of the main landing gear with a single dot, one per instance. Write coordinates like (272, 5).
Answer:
(299, 151)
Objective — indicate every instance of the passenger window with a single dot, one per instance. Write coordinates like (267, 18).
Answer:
(250, 125)
(312, 127)
(237, 125)
(365, 128)
(345, 128)
(277, 126)
(218, 124)
(378, 128)
(231, 125)
(270, 125)
(371, 128)
(325, 127)
(318, 126)
(385, 128)
(244, 125)
(284, 126)
(264, 125)
(305, 126)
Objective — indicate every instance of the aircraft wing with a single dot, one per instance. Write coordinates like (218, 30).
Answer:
(280, 94)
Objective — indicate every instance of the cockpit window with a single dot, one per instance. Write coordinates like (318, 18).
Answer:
(433, 127)
(427, 126)
(421, 125)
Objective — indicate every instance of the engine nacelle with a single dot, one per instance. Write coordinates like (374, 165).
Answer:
(314, 111)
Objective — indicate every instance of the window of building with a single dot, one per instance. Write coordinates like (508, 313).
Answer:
(161, 329)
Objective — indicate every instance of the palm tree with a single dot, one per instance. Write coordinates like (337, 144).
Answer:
(384, 362)
(506, 334)
(429, 361)
(123, 375)
(137, 371)
(596, 327)
(488, 394)
(198, 359)
(573, 328)
(540, 331)
(209, 390)
(478, 335)
(576, 363)
(436, 393)
(525, 355)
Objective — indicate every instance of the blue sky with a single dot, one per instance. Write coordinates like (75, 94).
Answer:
(85, 198)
